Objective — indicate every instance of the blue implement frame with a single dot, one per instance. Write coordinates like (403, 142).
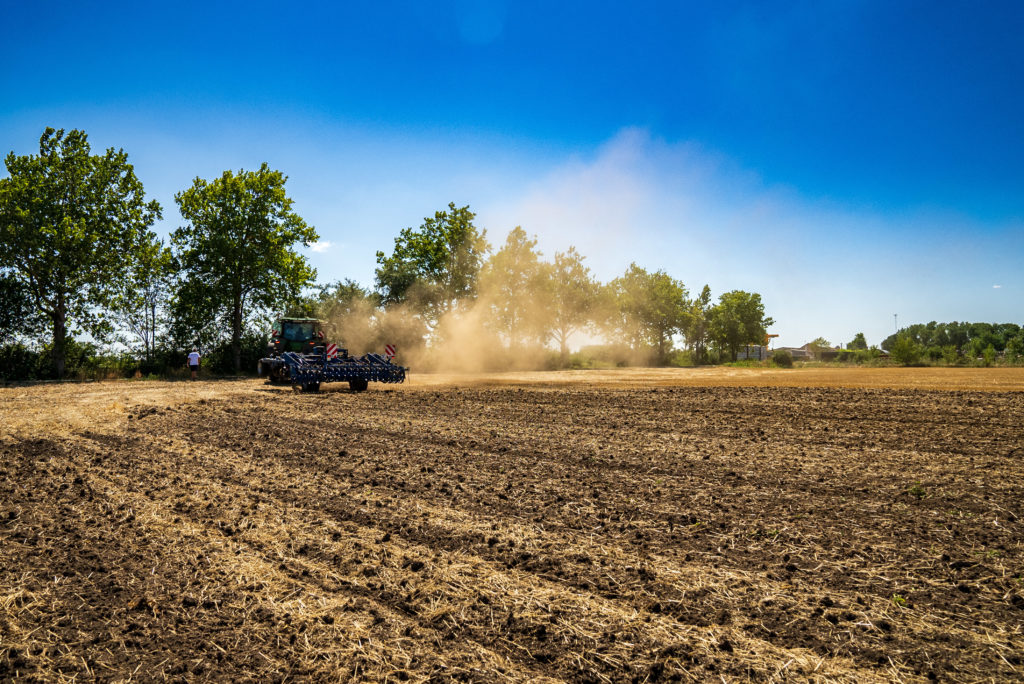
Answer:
(309, 370)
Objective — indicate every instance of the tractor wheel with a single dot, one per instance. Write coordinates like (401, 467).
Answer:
(358, 385)
(311, 387)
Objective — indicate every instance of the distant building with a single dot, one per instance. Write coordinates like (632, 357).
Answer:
(798, 353)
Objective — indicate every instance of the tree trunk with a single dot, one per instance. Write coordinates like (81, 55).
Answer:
(60, 332)
(236, 334)
(152, 335)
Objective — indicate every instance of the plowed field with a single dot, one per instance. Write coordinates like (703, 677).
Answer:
(523, 530)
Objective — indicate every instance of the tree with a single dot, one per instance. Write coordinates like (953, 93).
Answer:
(140, 306)
(738, 319)
(343, 298)
(573, 295)
(696, 325)
(859, 342)
(650, 308)
(1015, 347)
(512, 283)
(988, 355)
(303, 306)
(435, 266)
(352, 312)
(817, 346)
(71, 227)
(905, 350)
(236, 253)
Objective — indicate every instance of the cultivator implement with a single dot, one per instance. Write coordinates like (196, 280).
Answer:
(309, 370)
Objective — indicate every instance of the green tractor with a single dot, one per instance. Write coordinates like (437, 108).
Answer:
(299, 355)
(302, 335)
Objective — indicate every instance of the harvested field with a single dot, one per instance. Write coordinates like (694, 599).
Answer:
(633, 526)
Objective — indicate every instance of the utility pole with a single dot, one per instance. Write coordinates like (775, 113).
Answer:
(895, 324)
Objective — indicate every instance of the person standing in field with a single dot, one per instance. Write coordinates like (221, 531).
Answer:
(193, 362)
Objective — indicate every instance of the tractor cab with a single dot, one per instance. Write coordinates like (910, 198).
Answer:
(295, 334)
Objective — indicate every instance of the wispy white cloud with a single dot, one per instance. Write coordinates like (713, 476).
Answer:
(321, 246)
(996, 287)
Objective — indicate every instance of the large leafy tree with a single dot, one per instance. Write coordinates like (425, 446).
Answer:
(573, 298)
(236, 254)
(71, 227)
(513, 283)
(738, 319)
(650, 308)
(435, 266)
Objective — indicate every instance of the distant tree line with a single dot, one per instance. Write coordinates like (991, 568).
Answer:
(948, 344)
(88, 289)
(957, 343)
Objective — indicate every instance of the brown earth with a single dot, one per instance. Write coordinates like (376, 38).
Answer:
(629, 526)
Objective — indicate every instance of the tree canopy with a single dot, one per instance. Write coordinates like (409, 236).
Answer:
(859, 342)
(649, 308)
(966, 338)
(696, 324)
(737, 320)
(71, 227)
(573, 294)
(817, 346)
(906, 351)
(435, 266)
(514, 285)
(352, 314)
(236, 254)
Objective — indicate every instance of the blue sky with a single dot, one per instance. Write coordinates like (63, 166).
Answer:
(847, 160)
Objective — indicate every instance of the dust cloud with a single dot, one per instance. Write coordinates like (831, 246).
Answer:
(524, 315)
(509, 326)
(464, 339)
